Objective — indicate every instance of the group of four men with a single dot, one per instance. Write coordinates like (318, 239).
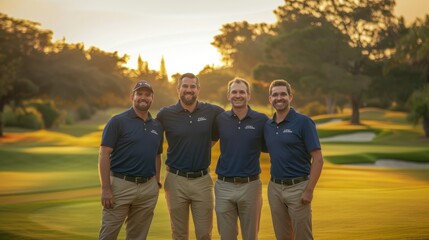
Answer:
(130, 163)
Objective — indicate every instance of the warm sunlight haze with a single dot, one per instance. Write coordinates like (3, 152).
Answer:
(181, 31)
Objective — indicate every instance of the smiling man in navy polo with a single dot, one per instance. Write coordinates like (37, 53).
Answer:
(238, 189)
(129, 167)
(296, 165)
(189, 129)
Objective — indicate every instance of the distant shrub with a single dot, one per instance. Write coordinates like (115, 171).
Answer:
(50, 114)
(69, 117)
(313, 109)
(9, 117)
(84, 112)
(23, 117)
(31, 118)
(419, 104)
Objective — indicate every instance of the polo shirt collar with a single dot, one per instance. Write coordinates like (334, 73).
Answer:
(133, 114)
(289, 117)
(178, 107)
(250, 113)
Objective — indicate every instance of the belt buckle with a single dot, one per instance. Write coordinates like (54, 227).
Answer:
(190, 175)
(241, 179)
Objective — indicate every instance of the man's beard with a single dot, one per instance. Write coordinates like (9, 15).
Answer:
(143, 107)
(187, 101)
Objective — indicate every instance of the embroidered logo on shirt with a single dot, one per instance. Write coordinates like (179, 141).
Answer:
(201, 119)
(249, 127)
(287, 130)
(154, 132)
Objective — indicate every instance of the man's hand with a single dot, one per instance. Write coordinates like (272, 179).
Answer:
(107, 199)
(307, 197)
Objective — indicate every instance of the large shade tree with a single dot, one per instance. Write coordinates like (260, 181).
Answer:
(413, 49)
(34, 67)
(316, 55)
(73, 76)
(242, 45)
(20, 40)
(363, 23)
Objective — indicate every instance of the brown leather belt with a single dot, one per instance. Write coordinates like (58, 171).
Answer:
(289, 181)
(131, 178)
(238, 179)
(195, 174)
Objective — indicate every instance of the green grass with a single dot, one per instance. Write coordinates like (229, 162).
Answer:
(16, 159)
(50, 189)
(77, 130)
(417, 157)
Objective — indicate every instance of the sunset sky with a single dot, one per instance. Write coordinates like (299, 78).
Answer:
(181, 31)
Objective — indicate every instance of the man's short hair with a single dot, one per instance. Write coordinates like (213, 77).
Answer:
(188, 75)
(239, 80)
(280, 82)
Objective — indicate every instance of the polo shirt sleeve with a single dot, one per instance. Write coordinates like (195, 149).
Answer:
(159, 115)
(264, 147)
(111, 133)
(161, 141)
(215, 131)
(310, 136)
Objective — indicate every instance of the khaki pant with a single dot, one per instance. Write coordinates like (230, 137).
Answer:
(291, 218)
(238, 201)
(181, 194)
(134, 204)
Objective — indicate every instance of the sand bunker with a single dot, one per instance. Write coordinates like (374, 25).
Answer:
(394, 163)
(352, 137)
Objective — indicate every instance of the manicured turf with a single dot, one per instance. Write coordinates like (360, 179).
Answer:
(50, 189)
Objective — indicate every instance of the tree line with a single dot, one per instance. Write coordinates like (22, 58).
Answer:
(40, 78)
(335, 53)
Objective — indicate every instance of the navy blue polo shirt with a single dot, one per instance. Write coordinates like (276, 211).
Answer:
(189, 135)
(135, 144)
(290, 144)
(241, 142)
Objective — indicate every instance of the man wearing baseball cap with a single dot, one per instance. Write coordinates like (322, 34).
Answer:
(129, 167)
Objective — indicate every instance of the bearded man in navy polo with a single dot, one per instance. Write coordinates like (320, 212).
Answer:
(129, 167)
(190, 133)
